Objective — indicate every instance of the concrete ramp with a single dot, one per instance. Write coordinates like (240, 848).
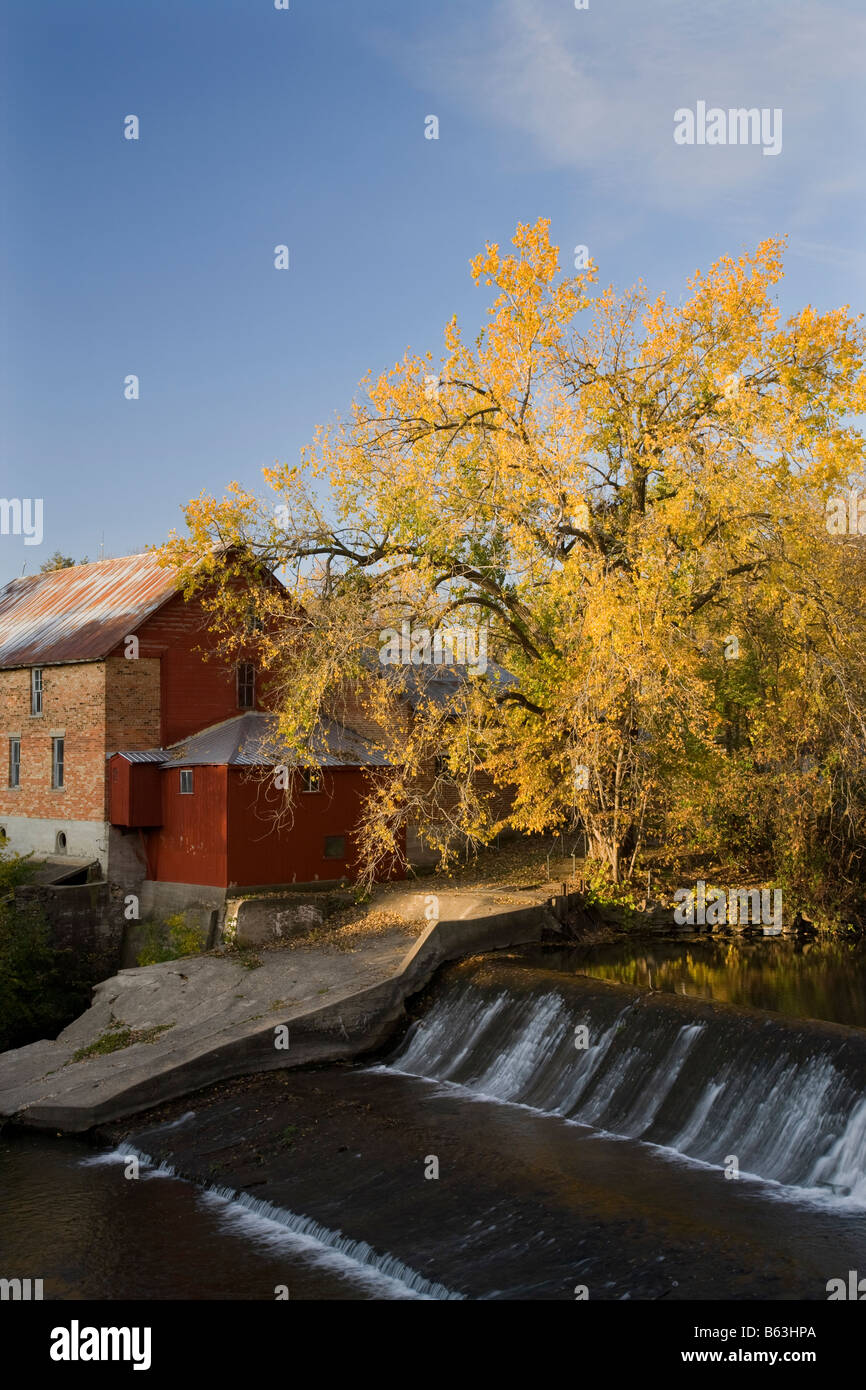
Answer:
(189, 1023)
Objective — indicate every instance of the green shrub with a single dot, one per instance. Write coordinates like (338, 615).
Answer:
(14, 868)
(42, 989)
(170, 940)
(614, 899)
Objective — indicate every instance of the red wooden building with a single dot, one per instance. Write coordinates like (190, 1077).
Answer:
(221, 809)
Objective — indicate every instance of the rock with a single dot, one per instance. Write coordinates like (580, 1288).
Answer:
(264, 920)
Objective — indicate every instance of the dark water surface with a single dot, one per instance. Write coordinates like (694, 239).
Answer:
(799, 978)
(90, 1233)
(563, 1161)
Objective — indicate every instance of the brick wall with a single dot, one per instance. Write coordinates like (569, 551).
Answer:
(132, 703)
(73, 707)
(196, 691)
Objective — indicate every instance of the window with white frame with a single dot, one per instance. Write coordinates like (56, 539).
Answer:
(36, 690)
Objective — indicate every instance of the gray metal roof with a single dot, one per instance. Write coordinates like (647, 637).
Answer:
(439, 684)
(153, 755)
(252, 740)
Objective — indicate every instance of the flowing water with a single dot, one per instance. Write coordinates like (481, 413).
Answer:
(788, 1102)
(536, 1131)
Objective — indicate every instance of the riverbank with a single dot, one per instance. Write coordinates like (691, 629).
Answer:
(166, 1030)
(297, 995)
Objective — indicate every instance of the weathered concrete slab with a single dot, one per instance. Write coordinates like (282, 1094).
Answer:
(281, 916)
(221, 1019)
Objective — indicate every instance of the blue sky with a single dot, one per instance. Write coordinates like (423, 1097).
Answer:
(306, 127)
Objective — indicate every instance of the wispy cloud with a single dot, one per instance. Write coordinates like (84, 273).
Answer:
(595, 90)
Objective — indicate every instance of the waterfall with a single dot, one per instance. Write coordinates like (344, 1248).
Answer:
(784, 1099)
(384, 1273)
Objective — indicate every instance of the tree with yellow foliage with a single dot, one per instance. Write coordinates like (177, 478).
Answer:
(628, 497)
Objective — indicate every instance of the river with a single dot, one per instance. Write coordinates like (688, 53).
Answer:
(542, 1130)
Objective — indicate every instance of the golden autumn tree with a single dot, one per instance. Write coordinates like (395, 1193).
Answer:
(626, 499)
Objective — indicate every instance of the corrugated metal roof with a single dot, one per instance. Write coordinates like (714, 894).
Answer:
(439, 684)
(429, 681)
(153, 755)
(79, 613)
(251, 740)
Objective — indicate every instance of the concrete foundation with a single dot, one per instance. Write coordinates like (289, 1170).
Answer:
(85, 839)
(165, 899)
(86, 918)
(127, 862)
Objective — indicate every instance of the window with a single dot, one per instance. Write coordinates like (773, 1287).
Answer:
(60, 842)
(246, 685)
(36, 690)
(186, 784)
(253, 622)
(57, 760)
(15, 762)
(335, 846)
(311, 780)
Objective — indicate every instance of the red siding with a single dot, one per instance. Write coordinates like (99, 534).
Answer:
(135, 793)
(262, 852)
(224, 833)
(194, 692)
(190, 846)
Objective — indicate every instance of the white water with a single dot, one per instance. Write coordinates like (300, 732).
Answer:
(791, 1111)
(383, 1274)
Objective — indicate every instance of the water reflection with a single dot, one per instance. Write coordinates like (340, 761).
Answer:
(803, 979)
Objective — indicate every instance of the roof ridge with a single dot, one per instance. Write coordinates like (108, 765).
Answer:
(220, 724)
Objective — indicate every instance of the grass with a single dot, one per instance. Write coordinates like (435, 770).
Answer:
(116, 1037)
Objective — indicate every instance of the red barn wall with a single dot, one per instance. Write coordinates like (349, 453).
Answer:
(260, 852)
(194, 692)
(135, 793)
(224, 833)
(190, 846)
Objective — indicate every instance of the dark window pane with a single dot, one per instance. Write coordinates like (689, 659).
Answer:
(246, 685)
(57, 761)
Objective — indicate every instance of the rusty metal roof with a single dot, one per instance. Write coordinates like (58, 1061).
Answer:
(79, 613)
